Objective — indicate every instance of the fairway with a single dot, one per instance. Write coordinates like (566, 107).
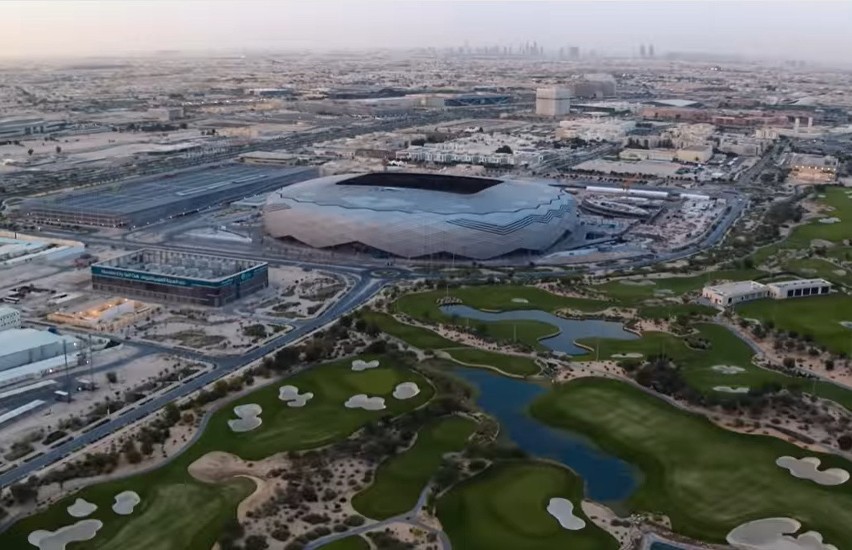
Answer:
(706, 479)
(348, 543)
(505, 508)
(400, 480)
(425, 339)
(627, 292)
(819, 316)
(183, 514)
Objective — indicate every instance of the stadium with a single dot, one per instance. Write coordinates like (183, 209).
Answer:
(409, 215)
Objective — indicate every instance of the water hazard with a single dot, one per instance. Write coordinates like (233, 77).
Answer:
(608, 479)
(570, 330)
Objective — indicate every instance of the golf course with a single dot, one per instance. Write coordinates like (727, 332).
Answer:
(177, 512)
(505, 508)
(706, 479)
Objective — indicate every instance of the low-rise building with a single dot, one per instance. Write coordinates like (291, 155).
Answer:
(729, 294)
(796, 289)
(812, 169)
(105, 316)
(696, 154)
(9, 318)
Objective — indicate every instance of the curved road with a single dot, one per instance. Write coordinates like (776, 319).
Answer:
(363, 290)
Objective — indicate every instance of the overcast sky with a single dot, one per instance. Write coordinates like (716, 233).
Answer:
(805, 29)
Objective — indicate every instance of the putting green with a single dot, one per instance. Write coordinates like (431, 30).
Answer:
(505, 507)
(706, 479)
(184, 514)
(400, 480)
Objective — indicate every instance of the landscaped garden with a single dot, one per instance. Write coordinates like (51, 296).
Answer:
(706, 479)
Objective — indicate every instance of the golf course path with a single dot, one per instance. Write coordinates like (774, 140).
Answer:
(409, 517)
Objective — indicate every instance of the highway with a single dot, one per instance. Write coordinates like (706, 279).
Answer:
(363, 290)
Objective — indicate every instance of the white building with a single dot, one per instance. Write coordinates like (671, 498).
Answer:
(729, 294)
(552, 101)
(23, 346)
(796, 289)
(9, 318)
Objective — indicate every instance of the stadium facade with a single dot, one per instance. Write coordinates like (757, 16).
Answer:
(408, 215)
(180, 277)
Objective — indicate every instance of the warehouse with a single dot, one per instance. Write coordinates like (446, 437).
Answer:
(140, 201)
(24, 346)
(180, 277)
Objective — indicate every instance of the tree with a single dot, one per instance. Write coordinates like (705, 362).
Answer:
(844, 442)
(24, 492)
(504, 149)
(30, 152)
(256, 542)
(171, 414)
(58, 149)
(111, 377)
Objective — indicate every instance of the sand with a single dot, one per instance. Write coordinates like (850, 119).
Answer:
(808, 468)
(406, 390)
(125, 502)
(358, 365)
(829, 220)
(641, 282)
(291, 395)
(775, 534)
(57, 540)
(631, 355)
(727, 369)
(81, 508)
(249, 418)
(729, 389)
(520, 300)
(563, 510)
(362, 401)
(846, 324)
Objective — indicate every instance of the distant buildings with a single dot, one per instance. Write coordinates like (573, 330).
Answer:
(9, 318)
(552, 101)
(595, 85)
(696, 154)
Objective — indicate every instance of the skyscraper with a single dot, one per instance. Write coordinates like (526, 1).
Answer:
(651, 50)
(642, 51)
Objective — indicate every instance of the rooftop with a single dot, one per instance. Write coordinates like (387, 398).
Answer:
(799, 283)
(22, 339)
(178, 264)
(735, 288)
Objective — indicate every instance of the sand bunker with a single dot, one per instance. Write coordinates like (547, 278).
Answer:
(775, 534)
(730, 389)
(808, 468)
(563, 510)
(81, 508)
(361, 401)
(829, 220)
(631, 355)
(663, 292)
(358, 365)
(634, 282)
(249, 418)
(839, 272)
(125, 502)
(218, 467)
(846, 324)
(57, 540)
(727, 369)
(520, 300)
(291, 395)
(406, 390)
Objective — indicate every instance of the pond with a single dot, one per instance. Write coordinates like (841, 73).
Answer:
(570, 330)
(607, 478)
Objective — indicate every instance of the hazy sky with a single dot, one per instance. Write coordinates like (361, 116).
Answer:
(805, 29)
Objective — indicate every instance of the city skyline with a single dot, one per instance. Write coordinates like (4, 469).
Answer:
(95, 28)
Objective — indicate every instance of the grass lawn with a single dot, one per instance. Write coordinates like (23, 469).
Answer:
(505, 507)
(179, 513)
(400, 480)
(511, 364)
(706, 479)
(424, 306)
(840, 206)
(424, 338)
(668, 311)
(819, 316)
(626, 293)
(816, 267)
(349, 543)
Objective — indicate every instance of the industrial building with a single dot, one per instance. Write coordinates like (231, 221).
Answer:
(26, 346)
(9, 318)
(552, 101)
(180, 277)
(409, 215)
(141, 201)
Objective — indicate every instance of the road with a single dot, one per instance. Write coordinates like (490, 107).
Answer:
(362, 291)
